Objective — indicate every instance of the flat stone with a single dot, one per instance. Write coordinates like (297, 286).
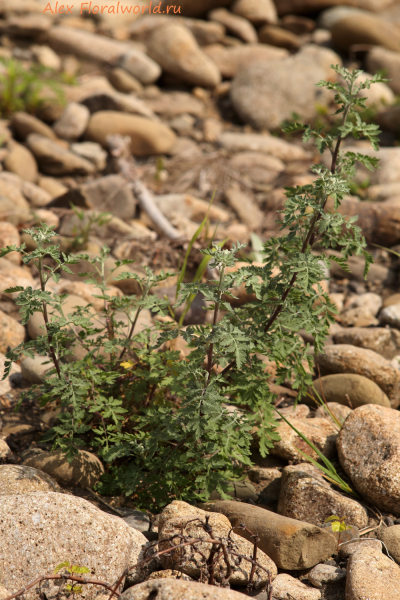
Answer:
(307, 496)
(322, 574)
(285, 586)
(172, 588)
(235, 24)
(35, 539)
(147, 137)
(24, 124)
(291, 544)
(177, 514)
(343, 358)
(15, 479)
(371, 574)
(369, 452)
(53, 159)
(268, 144)
(84, 471)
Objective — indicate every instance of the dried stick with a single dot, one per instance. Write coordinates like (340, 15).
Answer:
(119, 148)
(62, 577)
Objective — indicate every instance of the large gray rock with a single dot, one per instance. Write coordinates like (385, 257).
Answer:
(265, 94)
(343, 387)
(16, 479)
(175, 48)
(292, 544)
(343, 358)
(177, 514)
(369, 452)
(305, 495)
(39, 531)
(84, 471)
(174, 589)
(372, 575)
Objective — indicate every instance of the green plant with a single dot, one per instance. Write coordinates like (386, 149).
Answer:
(87, 223)
(22, 88)
(338, 524)
(160, 423)
(71, 570)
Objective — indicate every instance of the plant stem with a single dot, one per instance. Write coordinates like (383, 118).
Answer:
(46, 321)
(215, 318)
(135, 320)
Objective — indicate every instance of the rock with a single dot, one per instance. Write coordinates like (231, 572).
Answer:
(124, 82)
(196, 8)
(379, 95)
(5, 450)
(342, 387)
(177, 514)
(171, 104)
(110, 194)
(34, 369)
(265, 94)
(270, 478)
(11, 188)
(346, 550)
(390, 315)
(382, 340)
(87, 291)
(339, 411)
(370, 574)
(4, 593)
(35, 539)
(238, 489)
(24, 480)
(285, 586)
(377, 273)
(21, 161)
(190, 207)
(12, 333)
(369, 452)
(280, 37)
(388, 172)
(206, 32)
(84, 471)
(306, 496)
(146, 136)
(257, 12)
(12, 275)
(310, 6)
(46, 216)
(73, 122)
(53, 187)
(343, 358)
(138, 520)
(391, 538)
(46, 57)
(230, 60)
(320, 432)
(369, 300)
(257, 167)
(171, 589)
(268, 144)
(169, 574)
(66, 40)
(235, 24)
(291, 544)
(245, 207)
(24, 124)
(9, 236)
(300, 411)
(28, 26)
(93, 152)
(363, 28)
(322, 574)
(360, 316)
(54, 159)
(174, 47)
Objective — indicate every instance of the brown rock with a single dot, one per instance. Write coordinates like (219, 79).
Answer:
(278, 36)
(369, 452)
(364, 28)
(146, 136)
(196, 8)
(12, 275)
(257, 12)
(5, 450)
(245, 207)
(54, 159)
(177, 514)
(322, 574)
(24, 124)
(19, 480)
(12, 333)
(343, 358)
(268, 144)
(286, 586)
(235, 24)
(124, 82)
(321, 432)
(9, 236)
(21, 161)
(231, 60)
(175, 49)
(73, 122)
(346, 550)
(307, 496)
(169, 574)
(169, 589)
(4, 593)
(371, 574)
(360, 316)
(270, 479)
(339, 412)
(5, 387)
(291, 544)
(84, 471)
(379, 59)
(35, 539)
(382, 340)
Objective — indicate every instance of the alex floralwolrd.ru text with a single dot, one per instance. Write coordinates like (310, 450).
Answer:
(116, 9)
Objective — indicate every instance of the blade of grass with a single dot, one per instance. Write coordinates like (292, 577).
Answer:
(329, 471)
(321, 402)
(195, 236)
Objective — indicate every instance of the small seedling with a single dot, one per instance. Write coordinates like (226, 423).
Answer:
(71, 570)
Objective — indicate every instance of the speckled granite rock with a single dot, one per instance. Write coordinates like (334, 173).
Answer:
(15, 479)
(172, 589)
(372, 576)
